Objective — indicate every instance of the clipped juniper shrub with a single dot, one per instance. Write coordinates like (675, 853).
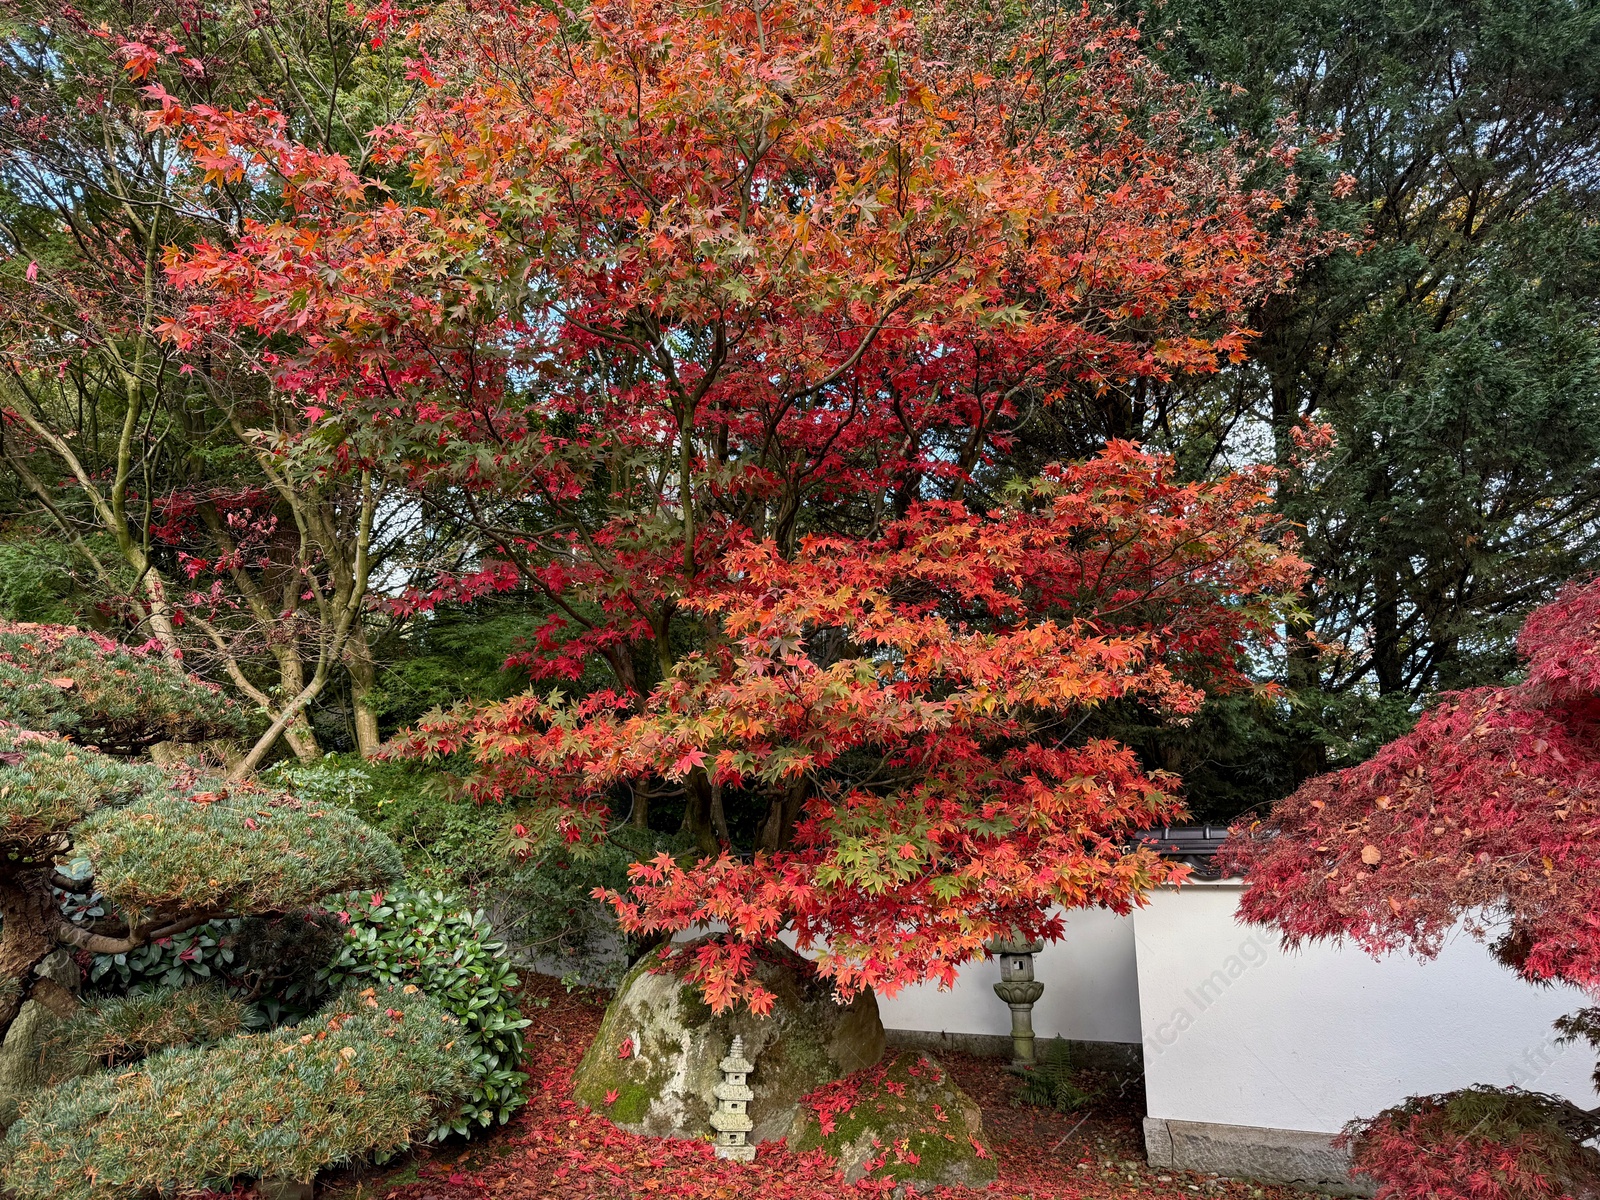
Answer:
(449, 950)
(370, 1073)
(135, 859)
(121, 699)
(1479, 1143)
(114, 1032)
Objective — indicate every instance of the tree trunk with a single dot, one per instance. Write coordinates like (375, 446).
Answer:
(697, 812)
(719, 818)
(1307, 754)
(28, 917)
(160, 610)
(298, 733)
(783, 812)
(363, 683)
(1386, 662)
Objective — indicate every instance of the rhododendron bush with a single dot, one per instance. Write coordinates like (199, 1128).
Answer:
(713, 318)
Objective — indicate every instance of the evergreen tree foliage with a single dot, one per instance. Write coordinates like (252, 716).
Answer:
(1454, 349)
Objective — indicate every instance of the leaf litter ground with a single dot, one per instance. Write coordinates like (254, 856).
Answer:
(555, 1149)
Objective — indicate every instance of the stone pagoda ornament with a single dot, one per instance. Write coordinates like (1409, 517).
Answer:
(731, 1119)
(1020, 990)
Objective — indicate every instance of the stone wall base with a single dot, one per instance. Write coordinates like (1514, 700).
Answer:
(1286, 1156)
(1122, 1058)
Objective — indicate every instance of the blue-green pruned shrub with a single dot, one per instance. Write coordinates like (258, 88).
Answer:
(160, 853)
(374, 1070)
(450, 952)
(124, 1029)
(83, 685)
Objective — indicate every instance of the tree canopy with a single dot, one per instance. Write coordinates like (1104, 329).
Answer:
(708, 315)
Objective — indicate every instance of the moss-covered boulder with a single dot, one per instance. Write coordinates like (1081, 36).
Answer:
(653, 1065)
(904, 1120)
(30, 1057)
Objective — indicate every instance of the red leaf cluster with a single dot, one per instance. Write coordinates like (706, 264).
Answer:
(971, 642)
(736, 264)
(1488, 812)
(1478, 1144)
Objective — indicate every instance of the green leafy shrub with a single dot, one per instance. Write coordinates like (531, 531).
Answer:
(275, 959)
(429, 940)
(36, 581)
(1049, 1083)
(544, 903)
(193, 957)
(547, 902)
(127, 1028)
(369, 1074)
(461, 654)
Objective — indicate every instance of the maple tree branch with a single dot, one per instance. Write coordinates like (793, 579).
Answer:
(862, 347)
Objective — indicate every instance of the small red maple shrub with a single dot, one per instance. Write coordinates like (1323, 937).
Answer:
(1478, 1144)
(1487, 812)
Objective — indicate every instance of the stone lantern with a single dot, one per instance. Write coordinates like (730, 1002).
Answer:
(1019, 989)
(731, 1119)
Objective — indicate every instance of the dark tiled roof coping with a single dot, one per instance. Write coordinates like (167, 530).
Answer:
(1196, 845)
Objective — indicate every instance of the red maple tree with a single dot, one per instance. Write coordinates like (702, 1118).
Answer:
(711, 319)
(916, 789)
(1487, 812)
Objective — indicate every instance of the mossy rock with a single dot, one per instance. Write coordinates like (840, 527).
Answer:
(30, 1057)
(904, 1120)
(659, 1046)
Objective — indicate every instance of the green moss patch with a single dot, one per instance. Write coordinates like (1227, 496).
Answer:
(904, 1120)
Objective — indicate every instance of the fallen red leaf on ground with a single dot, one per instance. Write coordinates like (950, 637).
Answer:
(554, 1149)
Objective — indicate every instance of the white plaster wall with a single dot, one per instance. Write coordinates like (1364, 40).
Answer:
(1238, 1032)
(1091, 989)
